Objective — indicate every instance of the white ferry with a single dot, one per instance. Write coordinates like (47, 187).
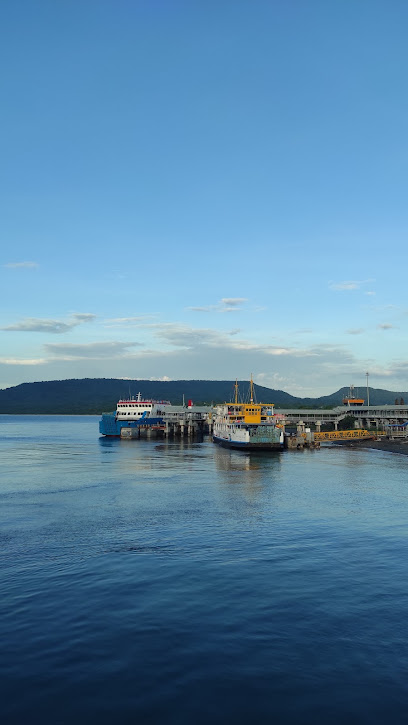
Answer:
(132, 412)
(247, 426)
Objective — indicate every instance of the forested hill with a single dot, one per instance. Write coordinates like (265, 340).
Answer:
(97, 395)
(101, 395)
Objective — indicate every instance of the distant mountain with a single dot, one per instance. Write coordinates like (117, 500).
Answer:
(377, 397)
(97, 395)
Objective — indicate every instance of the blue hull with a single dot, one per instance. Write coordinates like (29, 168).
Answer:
(109, 426)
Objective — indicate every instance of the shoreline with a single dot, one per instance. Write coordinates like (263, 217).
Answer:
(388, 446)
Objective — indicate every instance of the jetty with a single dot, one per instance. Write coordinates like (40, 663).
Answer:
(367, 416)
(177, 422)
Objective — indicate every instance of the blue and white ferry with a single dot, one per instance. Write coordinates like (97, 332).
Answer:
(132, 413)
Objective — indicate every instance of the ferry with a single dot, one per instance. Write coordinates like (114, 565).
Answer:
(131, 413)
(247, 426)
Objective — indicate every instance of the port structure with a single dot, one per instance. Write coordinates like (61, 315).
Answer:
(345, 435)
(367, 416)
(177, 421)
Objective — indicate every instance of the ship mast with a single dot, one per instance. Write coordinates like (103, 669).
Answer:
(251, 390)
(236, 391)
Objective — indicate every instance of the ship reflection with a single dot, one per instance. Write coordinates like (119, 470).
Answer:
(250, 475)
(229, 460)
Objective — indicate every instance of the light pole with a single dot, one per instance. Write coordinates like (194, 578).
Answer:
(368, 392)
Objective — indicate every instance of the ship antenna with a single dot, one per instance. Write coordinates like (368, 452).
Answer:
(236, 391)
(252, 390)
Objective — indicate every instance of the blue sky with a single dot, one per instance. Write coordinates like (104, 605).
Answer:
(204, 189)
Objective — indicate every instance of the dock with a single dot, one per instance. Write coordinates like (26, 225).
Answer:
(178, 422)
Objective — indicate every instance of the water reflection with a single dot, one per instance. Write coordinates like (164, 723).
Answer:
(154, 455)
(227, 460)
(230, 460)
(249, 477)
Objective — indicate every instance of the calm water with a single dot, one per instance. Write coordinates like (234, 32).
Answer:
(155, 582)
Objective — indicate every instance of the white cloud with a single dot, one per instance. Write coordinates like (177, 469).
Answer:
(211, 355)
(180, 335)
(21, 361)
(55, 327)
(128, 321)
(183, 336)
(342, 286)
(349, 285)
(32, 324)
(90, 350)
(84, 316)
(386, 326)
(226, 304)
(16, 265)
(162, 379)
(274, 380)
(179, 351)
(202, 309)
(233, 301)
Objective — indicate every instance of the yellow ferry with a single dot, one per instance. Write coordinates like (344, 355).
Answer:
(247, 426)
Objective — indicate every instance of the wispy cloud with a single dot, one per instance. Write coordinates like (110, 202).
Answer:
(202, 353)
(207, 308)
(226, 304)
(342, 286)
(355, 331)
(83, 316)
(233, 301)
(55, 327)
(128, 321)
(33, 324)
(90, 350)
(178, 335)
(349, 285)
(386, 326)
(161, 379)
(21, 361)
(16, 265)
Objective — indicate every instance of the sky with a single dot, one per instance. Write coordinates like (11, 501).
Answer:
(204, 189)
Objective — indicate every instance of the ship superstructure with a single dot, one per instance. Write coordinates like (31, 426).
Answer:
(351, 400)
(247, 425)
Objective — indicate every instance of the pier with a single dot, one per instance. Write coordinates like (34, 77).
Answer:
(178, 422)
(193, 422)
(367, 416)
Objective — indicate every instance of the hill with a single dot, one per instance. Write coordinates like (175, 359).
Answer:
(96, 395)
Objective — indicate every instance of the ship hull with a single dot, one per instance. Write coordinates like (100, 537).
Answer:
(111, 427)
(250, 446)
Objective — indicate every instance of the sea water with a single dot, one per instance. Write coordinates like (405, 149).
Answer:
(178, 582)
